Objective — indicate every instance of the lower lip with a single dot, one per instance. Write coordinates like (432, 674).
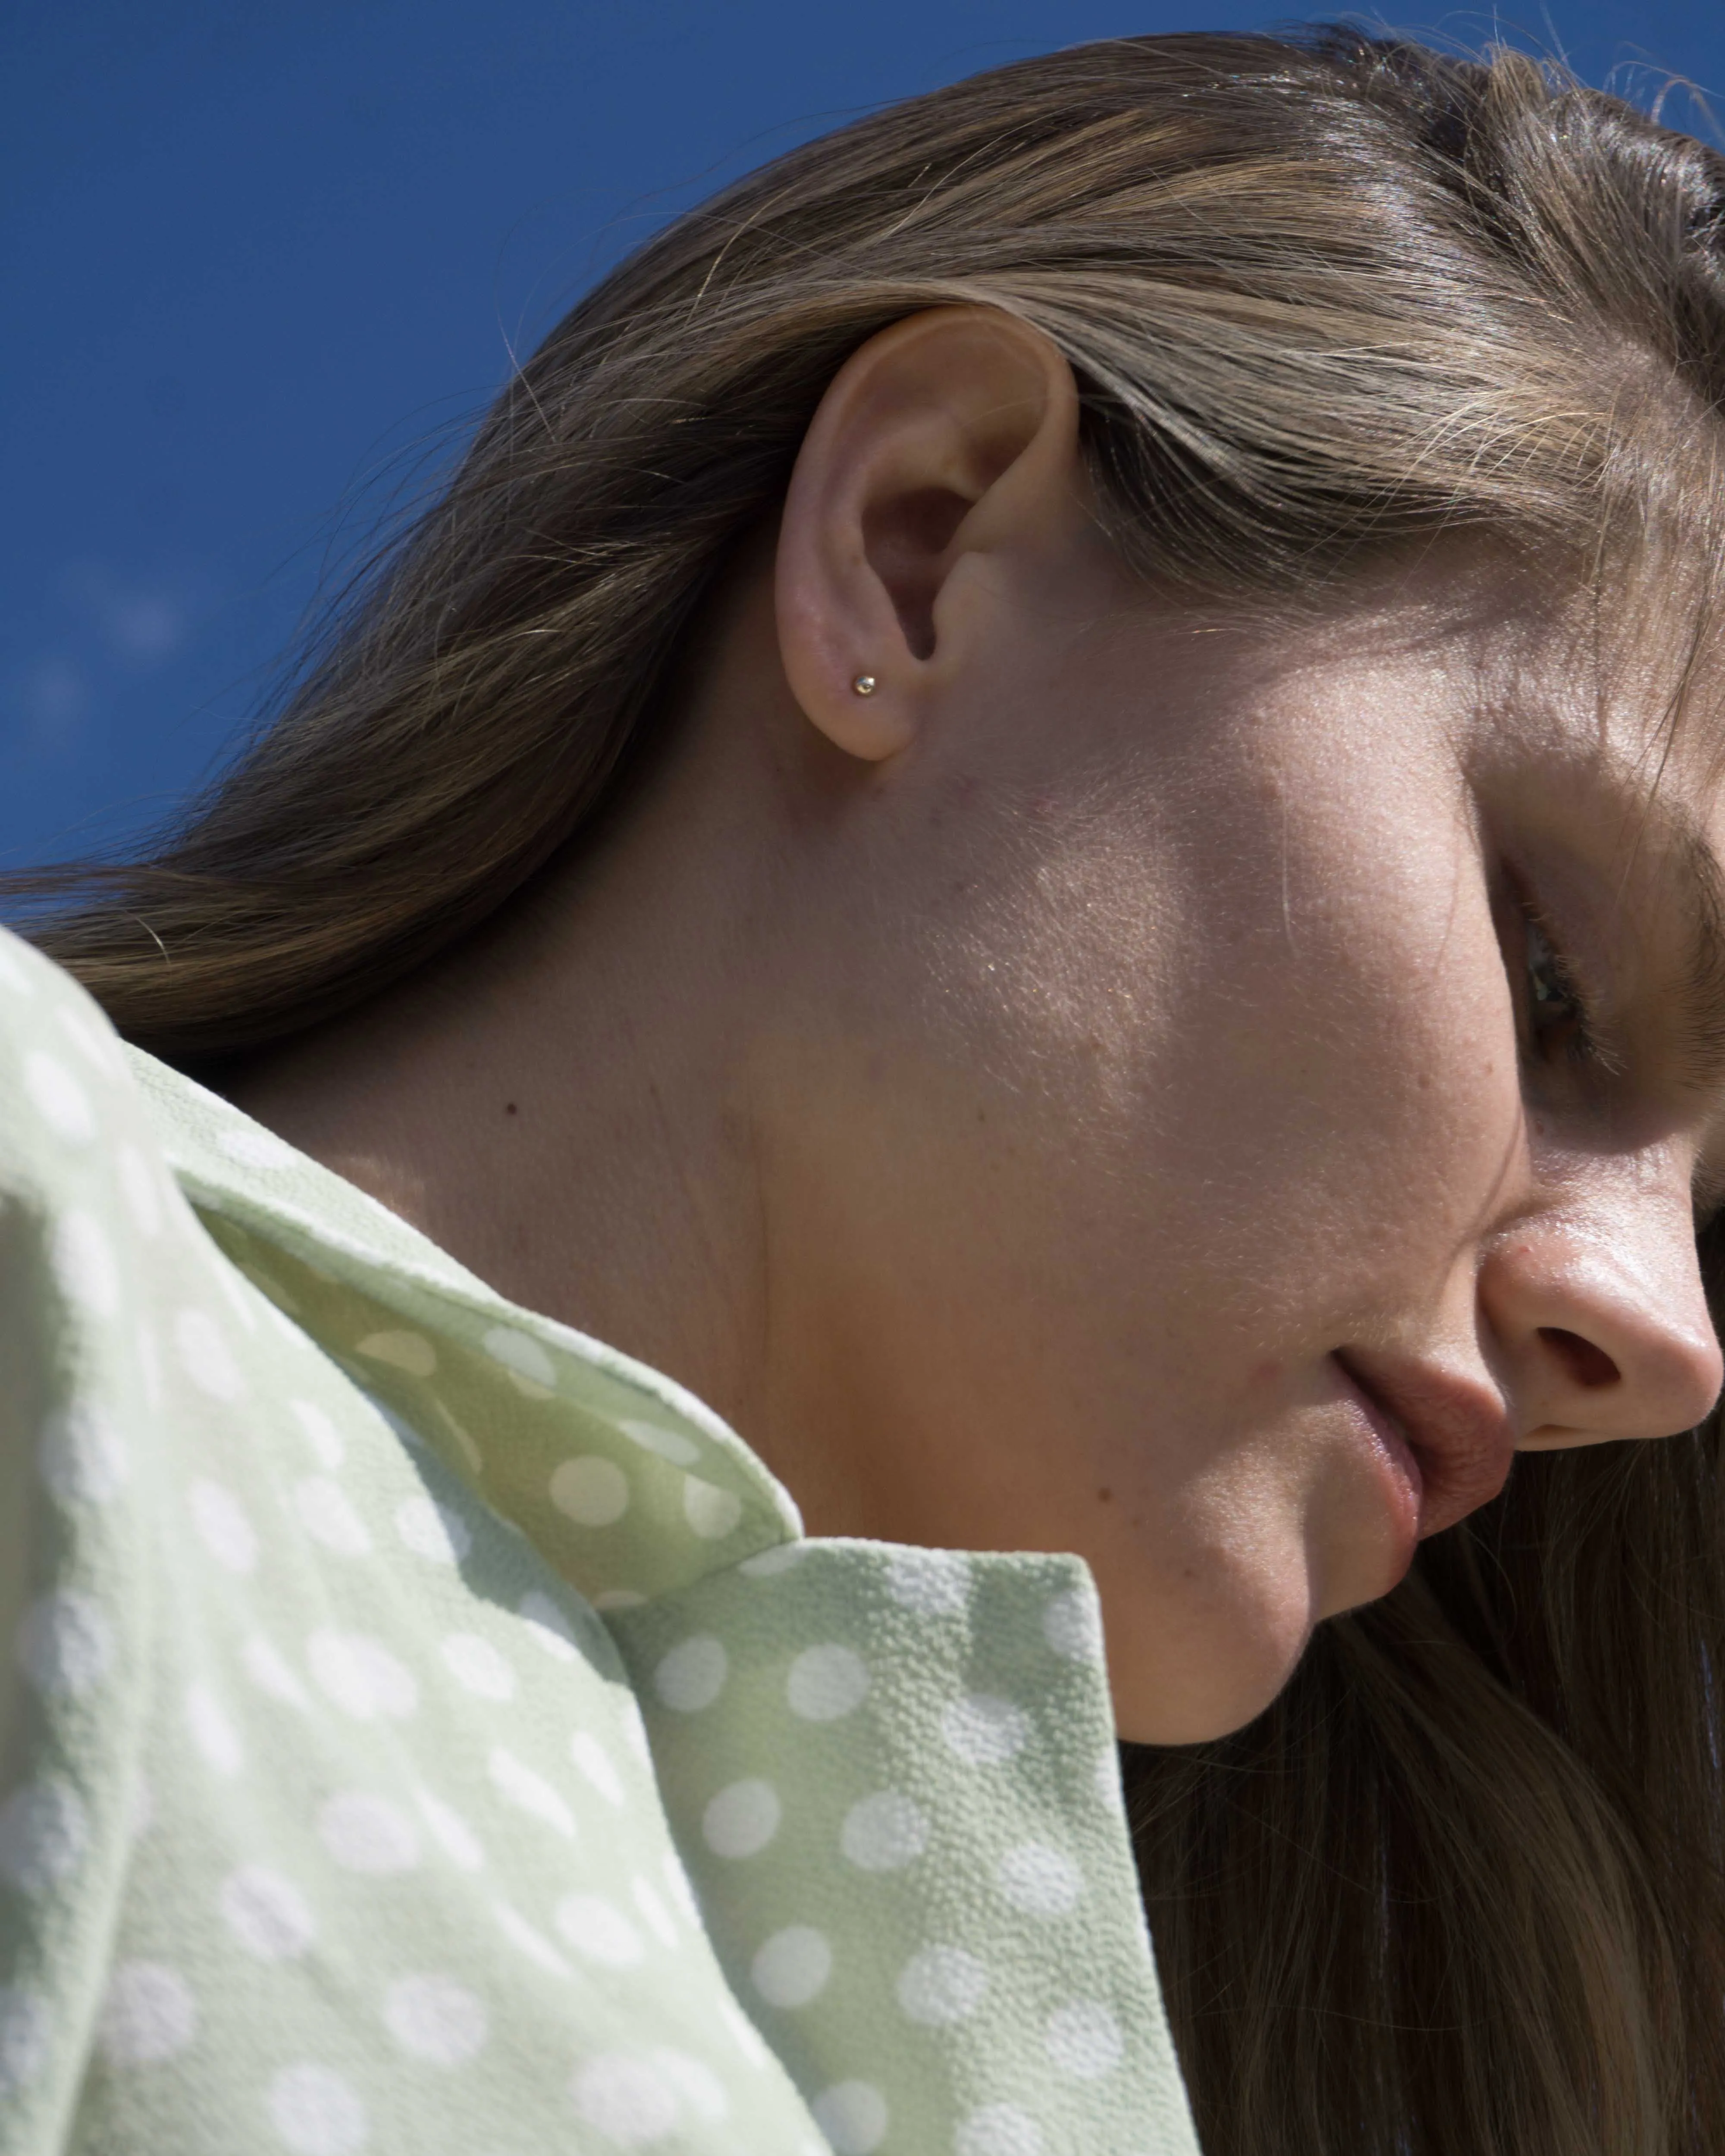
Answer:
(1401, 1470)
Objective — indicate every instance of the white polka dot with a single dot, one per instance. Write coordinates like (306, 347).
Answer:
(433, 1531)
(361, 1675)
(853, 2117)
(589, 1490)
(85, 1265)
(315, 2112)
(328, 1517)
(692, 1674)
(213, 1732)
(1072, 1625)
(931, 1583)
(270, 1671)
(58, 1098)
(595, 1765)
(82, 1458)
(532, 1792)
(44, 1833)
(1083, 2041)
(205, 1356)
(267, 1913)
(1040, 1880)
(654, 1915)
(149, 2013)
(884, 1832)
(534, 1945)
(25, 2034)
(624, 2099)
(599, 1930)
(618, 1598)
(697, 2086)
(983, 1731)
(766, 1562)
(365, 1832)
(65, 1643)
(711, 1512)
(255, 1148)
(941, 1985)
(222, 1524)
(741, 1821)
(792, 1967)
(519, 1354)
(826, 1683)
(670, 1445)
(321, 1435)
(141, 1190)
(411, 1352)
(450, 1831)
(476, 1666)
(997, 2129)
(549, 1626)
(435, 2019)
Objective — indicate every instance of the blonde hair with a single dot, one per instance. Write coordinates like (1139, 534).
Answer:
(1459, 1890)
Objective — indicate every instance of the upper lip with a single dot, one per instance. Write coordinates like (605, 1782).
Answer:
(1456, 1427)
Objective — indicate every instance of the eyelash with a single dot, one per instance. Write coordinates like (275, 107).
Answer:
(1567, 1012)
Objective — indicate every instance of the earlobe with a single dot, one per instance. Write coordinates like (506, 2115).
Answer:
(954, 432)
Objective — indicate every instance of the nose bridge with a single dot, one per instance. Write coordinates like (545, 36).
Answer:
(1596, 1304)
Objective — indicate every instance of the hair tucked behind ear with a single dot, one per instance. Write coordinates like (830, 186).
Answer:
(1459, 1893)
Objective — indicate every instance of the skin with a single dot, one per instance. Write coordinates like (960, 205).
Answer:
(1101, 1091)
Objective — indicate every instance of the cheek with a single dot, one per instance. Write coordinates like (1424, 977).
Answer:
(1341, 1052)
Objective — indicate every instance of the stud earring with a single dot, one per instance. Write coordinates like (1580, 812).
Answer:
(865, 685)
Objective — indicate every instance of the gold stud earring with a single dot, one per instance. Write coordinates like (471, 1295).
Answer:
(865, 685)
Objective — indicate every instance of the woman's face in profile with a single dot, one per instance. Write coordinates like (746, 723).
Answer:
(1189, 1087)
(1304, 1050)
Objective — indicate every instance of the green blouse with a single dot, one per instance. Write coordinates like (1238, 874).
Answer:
(424, 1729)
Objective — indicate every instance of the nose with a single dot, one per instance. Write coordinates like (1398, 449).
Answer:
(1598, 1319)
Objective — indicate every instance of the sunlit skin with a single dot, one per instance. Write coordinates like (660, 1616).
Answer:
(1108, 1088)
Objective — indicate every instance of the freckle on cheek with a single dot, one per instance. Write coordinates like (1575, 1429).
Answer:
(1105, 1497)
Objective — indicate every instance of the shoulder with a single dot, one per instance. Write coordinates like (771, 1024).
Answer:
(85, 1192)
(66, 1093)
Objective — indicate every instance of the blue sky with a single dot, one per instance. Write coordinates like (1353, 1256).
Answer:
(265, 261)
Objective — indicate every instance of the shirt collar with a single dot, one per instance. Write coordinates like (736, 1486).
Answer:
(630, 1485)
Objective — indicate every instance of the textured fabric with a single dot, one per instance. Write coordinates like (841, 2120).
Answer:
(422, 1729)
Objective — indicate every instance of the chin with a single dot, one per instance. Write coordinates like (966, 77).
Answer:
(1209, 1695)
(1198, 1724)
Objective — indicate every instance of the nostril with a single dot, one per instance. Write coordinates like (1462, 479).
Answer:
(1587, 1365)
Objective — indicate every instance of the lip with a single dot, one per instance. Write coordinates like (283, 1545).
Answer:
(1460, 1440)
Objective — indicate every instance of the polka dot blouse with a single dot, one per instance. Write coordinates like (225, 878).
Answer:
(424, 1730)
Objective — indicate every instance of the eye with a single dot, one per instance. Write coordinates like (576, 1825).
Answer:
(1558, 1019)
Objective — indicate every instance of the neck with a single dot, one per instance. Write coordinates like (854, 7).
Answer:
(572, 1103)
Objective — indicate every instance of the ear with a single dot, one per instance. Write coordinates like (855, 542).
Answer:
(950, 437)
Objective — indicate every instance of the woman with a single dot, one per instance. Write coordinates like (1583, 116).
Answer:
(1038, 824)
